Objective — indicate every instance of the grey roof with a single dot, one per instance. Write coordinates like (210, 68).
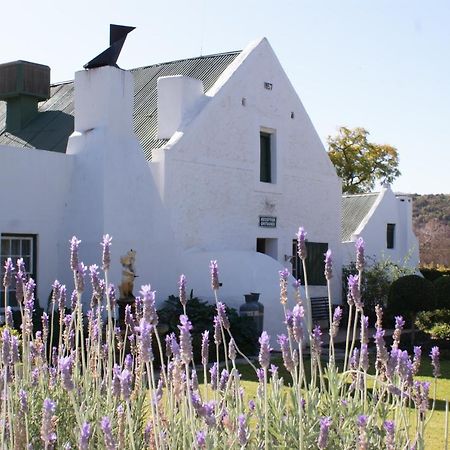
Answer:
(354, 209)
(54, 124)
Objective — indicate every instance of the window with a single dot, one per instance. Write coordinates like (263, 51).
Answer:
(267, 158)
(17, 246)
(390, 235)
(315, 263)
(267, 246)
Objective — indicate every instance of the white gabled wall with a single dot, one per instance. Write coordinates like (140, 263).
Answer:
(34, 185)
(211, 173)
(112, 188)
(388, 208)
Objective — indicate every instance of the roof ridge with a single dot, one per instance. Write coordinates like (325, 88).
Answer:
(234, 52)
(360, 195)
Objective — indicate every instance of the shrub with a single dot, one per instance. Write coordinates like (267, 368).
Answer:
(442, 289)
(435, 323)
(201, 314)
(410, 295)
(376, 282)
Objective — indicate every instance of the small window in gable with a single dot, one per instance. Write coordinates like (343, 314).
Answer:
(390, 235)
(267, 162)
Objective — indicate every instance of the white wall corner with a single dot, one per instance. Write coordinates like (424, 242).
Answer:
(178, 99)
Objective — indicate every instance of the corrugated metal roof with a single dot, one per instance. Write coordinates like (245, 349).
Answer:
(54, 124)
(354, 209)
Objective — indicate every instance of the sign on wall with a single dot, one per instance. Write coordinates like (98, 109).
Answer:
(267, 221)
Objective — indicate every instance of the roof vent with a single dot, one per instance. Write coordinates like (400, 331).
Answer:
(23, 85)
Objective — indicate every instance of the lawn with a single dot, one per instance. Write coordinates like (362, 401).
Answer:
(435, 428)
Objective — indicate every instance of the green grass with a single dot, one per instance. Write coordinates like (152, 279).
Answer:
(434, 434)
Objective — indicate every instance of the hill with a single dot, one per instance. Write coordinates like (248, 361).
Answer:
(431, 223)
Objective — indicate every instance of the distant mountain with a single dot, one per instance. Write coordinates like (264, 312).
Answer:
(431, 223)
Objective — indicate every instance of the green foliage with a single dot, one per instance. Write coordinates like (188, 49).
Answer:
(435, 323)
(361, 163)
(434, 272)
(201, 314)
(409, 295)
(376, 282)
(442, 289)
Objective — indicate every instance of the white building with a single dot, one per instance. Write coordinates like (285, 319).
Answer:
(384, 220)
(205, 158)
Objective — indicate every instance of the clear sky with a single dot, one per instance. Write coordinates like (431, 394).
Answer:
(380, 64)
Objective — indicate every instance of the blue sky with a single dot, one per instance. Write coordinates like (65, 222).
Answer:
(380, 64)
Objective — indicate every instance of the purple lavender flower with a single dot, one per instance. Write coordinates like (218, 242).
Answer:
(112, 296)
(379, 314)
(286, 353)
(359, 254)
(213, 371)
(174, 347)
(273, 370)
(399, 324)
(182, 290)
(382, 354)
(74, 300)
(8, 276)
(364, 337)
(6, 346)
(417, 359)
(95, 281)
(149, 305)
(214, 275)
(9, 317)
(222, 314)
(185, 339)
(194, 380)
(364, 358)
(354, 359)
(284, 274)
(337, 316)
(242, 430)
(316, 342)
(301, 243)
(224, 377)
(85, 435)
(404, 367)
(129, 321)
(62, 299)
(434, 354)
(325, 424)
(205, 347)
(232, 350)
(145, 339)
(362, 438)
(74, 244)
(48, 434)
(128, 363)
(392, 363)
(210, 417)
(106, 255)
(328, 265)
(217, 331)
(125, 384)
(105, 425)
(354, 291)
(116, 381)
(389, 440)
(65, 368)
(251, 405)
(201, 439)
(264, 350)
(298, 313)
(79, 275)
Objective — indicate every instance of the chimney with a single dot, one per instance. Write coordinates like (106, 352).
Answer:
(177, 97)
(23, 85)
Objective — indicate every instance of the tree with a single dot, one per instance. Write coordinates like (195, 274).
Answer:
(361, 163)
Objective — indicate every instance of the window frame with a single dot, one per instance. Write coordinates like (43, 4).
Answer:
(390, 236)
(31, 268)
(267, 156)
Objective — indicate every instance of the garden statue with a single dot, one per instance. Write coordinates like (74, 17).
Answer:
(128, 275)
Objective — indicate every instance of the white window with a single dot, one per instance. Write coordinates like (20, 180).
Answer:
(17, 246)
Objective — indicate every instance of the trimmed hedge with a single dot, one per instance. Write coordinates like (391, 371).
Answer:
(410, 295)
(442, 290)
(435, 323)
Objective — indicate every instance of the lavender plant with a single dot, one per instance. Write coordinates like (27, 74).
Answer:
(97, 387)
